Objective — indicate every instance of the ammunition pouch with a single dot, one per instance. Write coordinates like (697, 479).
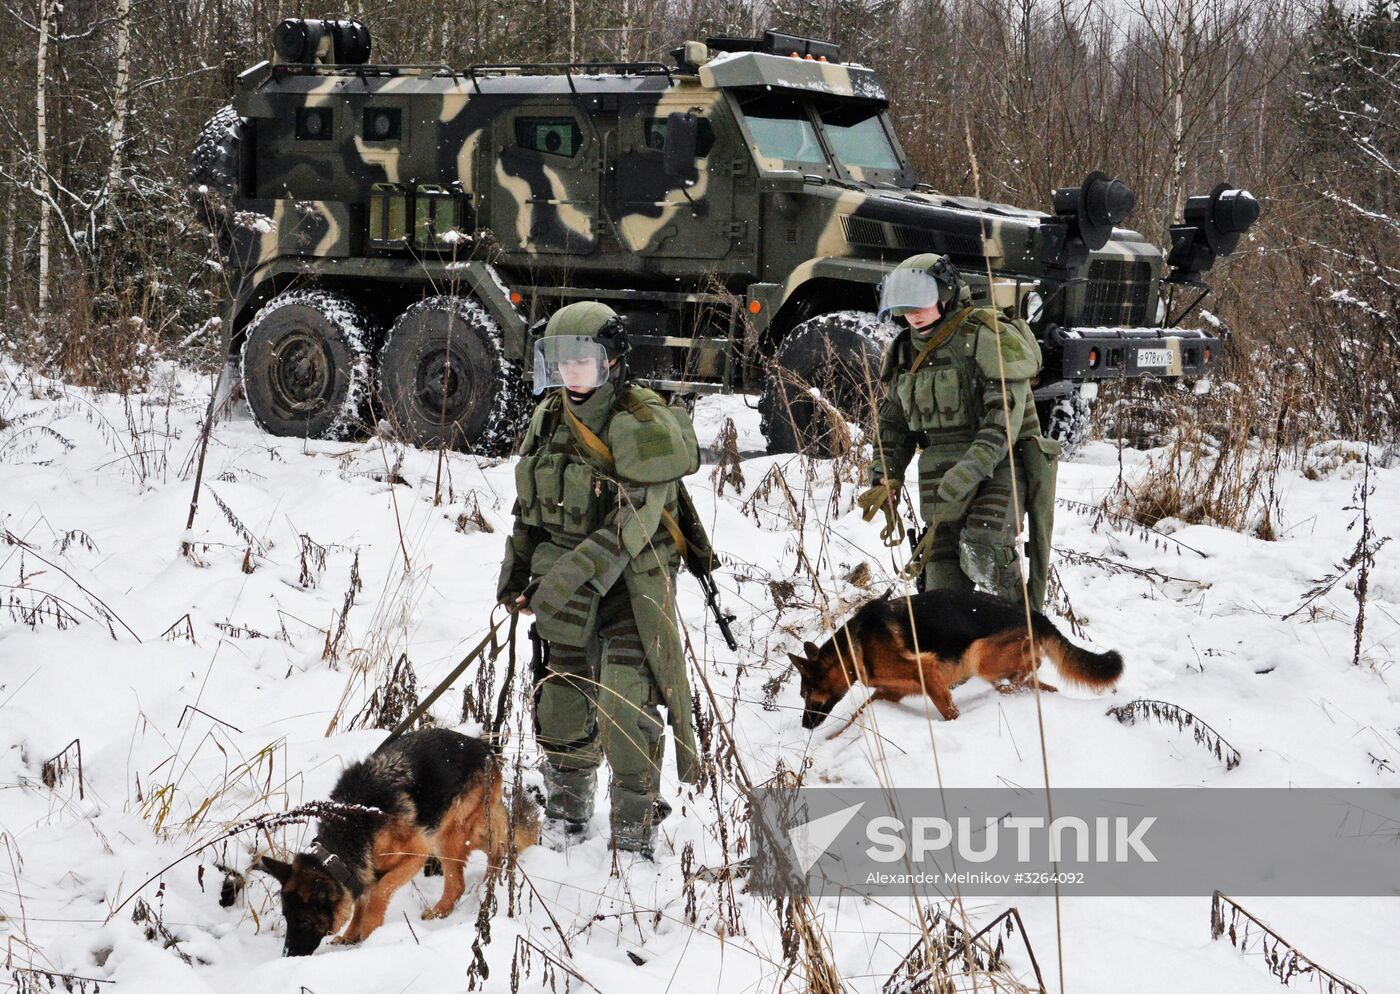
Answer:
(563, 495)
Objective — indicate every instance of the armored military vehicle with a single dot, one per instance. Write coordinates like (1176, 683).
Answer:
(396, 230)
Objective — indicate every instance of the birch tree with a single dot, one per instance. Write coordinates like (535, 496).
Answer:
(116, 128)
(41, 141)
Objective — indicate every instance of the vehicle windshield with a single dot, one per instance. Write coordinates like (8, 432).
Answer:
(857, 137)
(782, 130)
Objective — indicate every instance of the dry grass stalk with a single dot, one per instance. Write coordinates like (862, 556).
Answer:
(247, 784)
(728, 469)
(471, 520)
(1221, 463)
(331, 651)
(391, 700)
(182, 628)
(1174, 714)
(1365, 556)
(1365, 551)
(238, 526)
(374, 667)
(947, 960)
(32, 980)
(1284, 960)
(312, 560)
(155, 929)
(54, 770)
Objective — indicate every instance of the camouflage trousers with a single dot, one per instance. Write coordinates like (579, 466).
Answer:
(603, 694)
(974, 544)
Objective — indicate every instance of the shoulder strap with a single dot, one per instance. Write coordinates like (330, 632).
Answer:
(954, 323)
(586, 437)
(631, 399)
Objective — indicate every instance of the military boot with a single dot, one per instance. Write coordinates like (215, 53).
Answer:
(634, 820)
(568, 806)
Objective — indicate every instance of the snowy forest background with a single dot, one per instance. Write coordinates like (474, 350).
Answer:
(103, 265)
(162, 685)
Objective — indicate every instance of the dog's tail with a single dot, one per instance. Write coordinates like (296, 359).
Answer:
(1095, 670)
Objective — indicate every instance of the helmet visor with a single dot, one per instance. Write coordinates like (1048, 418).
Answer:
(907, 290)
(575, 362)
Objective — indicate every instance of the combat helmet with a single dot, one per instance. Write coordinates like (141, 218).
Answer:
(921, 281)
(579, 339)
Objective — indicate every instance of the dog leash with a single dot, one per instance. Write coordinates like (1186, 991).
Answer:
(883, 497)
(488, 642)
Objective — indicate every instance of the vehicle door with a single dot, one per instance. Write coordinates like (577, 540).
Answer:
(690, 215)
(545, 181)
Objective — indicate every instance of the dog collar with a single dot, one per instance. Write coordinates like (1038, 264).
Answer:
(334, 865)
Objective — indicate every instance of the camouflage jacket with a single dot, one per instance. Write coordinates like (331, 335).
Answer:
(955, 399)
(587, 519)
(568, 498)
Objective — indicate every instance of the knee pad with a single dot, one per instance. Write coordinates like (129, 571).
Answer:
(565, 714)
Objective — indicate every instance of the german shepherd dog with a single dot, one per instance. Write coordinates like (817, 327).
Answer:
(438, 793)
(959, 636)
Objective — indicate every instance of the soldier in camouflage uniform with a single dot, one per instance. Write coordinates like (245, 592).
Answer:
(594, 553)
(957, 386)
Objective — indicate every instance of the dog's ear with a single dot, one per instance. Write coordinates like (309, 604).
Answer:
(798, 661)
(812, 651)
(274, 868)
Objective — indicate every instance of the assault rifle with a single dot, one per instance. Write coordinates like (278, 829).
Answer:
(699, 559)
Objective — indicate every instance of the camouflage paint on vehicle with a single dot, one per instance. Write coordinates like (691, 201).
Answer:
(797, 202)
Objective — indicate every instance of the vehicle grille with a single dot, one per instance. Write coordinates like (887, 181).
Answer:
(863, 231)
(877, 234)
(1116, 293)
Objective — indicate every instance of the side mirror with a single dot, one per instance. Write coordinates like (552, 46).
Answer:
(682, 132)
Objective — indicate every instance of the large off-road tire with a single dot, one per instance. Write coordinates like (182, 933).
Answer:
(444, 378)
(838, 356)
(213, 176)
(306, 365)
(1066, 419)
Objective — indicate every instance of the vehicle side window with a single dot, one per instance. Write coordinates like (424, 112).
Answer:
(553, 135)
(654, 130)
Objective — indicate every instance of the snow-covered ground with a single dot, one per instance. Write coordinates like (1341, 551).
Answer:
(200, 690)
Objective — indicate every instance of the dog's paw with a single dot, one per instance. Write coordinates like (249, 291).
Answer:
(345, 940)
(951, 713)
(429, 914)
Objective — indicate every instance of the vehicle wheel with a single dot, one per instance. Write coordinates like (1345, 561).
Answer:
(306, 365)
(444, 377)
(838, 356)
(1066, 418)
(213, 176)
